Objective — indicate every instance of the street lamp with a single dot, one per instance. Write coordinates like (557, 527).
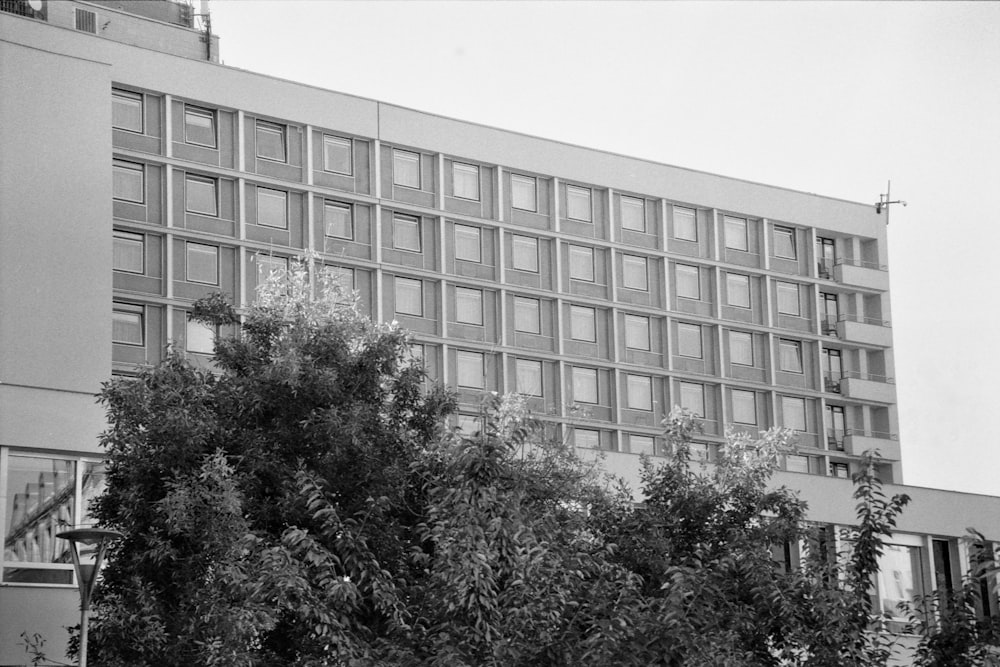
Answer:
(89, 542)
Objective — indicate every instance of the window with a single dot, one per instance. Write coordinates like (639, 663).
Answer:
(342, 276)
(693, 398)
(636, 332)
(128, 182)
(201, 195)
(339, 220)
(685, 224)
(271, 141)
(199, 338)
(338, 155)
(524, 253)
(640, 392)
(202, 264)
(793, 413)
(578, 203)
(837, 425)
(469, 425)
(127, 324)
(689, 340)
(826, 256)
(585, 385)
(468, 243)
(794, 463)
(738, 290)
(468, 306)
(581, 263)
(833, 369)
(465, 180)
(788, 298)
(744, 407)
(129, 252)
(641, 444)
(583, 323)
(633, 214)
(406, 169)
(272, 208)
(528, 377)
(527, 315)
(270, 268)
(523, 192)
(736, 233)
(688, 282)
(409, 297)
(831, 312)
(790, 356)
(784, 242)
(634, 273)
(840, 470)
(741, 348)
(44, 496)
(126, 111)
(899, 578)
(469, 366)
(199, 126)
(586, 438)
(406, 233)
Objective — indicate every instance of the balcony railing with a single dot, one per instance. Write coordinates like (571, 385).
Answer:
(847, 261)
(871, 377)
(876, 321)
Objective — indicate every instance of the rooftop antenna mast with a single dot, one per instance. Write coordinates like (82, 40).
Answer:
(206, 24)
(885, 200)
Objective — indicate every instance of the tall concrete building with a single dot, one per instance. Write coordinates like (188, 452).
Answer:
(137, 174)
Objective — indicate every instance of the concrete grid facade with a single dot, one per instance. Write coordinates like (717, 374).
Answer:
(604, 287)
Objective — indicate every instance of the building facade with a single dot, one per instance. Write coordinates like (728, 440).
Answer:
(144, 175)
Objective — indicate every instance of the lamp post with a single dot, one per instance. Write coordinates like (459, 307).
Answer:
(95, 541)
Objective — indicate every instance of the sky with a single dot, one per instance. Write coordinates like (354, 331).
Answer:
(832, 98)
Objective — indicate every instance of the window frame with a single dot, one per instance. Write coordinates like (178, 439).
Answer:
(188, 337)
(519, 304)
(634, 261)
(577, 432)
(203, 180)
(580, 374)
(470, 296)
(686, 269)
(647, 382)
(399, 219)
(795, 346)
(781, 230)
(535, 367)
(636, 203)
(468, 170)
(633, 323)
(799, 404)
(276, 263)
(272, 192)
(348, 143)
(207, 249)
(516, 258)
(125, 166)
(469, 356)
(328, 224)
(692, 328)
(684, 390)
(749, 347)
(336, 275)
(741, 282)
(132, 238)
(781, 285)
(731, 225)
(577, 310)
(684, 211)
(743, 393)
(459, 230)
(580, 191)
(575, 262)
(637, 439)
(524, 180)
(139, 312)
(201, 112)
(413, 283)
(398, 155)
(274, 129)
(121, 95)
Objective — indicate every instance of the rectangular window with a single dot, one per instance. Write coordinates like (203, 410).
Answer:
(129, 252)
(640, 392)
(744, 407)
(581, 263)
(201, 195)
(738, 290)
(127, 325)
(634, 273)
(270, 268)
(693, 398)
(339, 220)
(794, 463)
(633, 214)
(528, 377)
(406, 233)
(465, 180)
(468, 243)
(341, 276)
(837, 426)
(585, 385)
(199, 126)
(793, 413)
(636, 332)
(470, 371)
(583, 323)
(406, 169)
(271, 141)
(129, 182)
(741, 348)
(685, 224)
(688, 281)
(900, 577)
(272, 208)
(840, 470)
(126, 111)
(586, 438)
(784, 242)
(338, 155)
(826, 257)
(523, 192)
(788, 298)
(524, 253)
(199, 338)
(527, 315)
(736, 233)
(202, 263)
(578, 203)
(641, 444)
(468, 306)
(790, 356)
(409, 297)
(689, 340)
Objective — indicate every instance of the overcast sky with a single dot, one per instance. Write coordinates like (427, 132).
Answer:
(835, 99)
